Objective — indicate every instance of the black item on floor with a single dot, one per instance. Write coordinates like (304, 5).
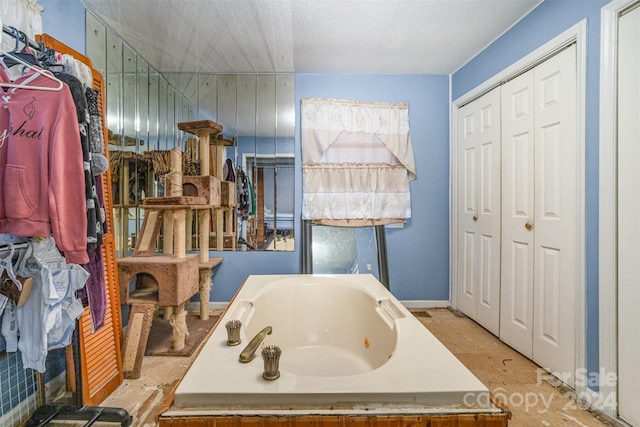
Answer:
(60, 412)
(90, 414)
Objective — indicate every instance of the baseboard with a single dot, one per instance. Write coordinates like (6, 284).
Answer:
(412, 304)
(602, 405)
(194, 306)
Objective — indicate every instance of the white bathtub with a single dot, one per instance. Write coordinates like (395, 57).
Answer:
(347, 344)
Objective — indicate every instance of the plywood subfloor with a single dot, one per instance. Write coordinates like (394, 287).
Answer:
(532, 400)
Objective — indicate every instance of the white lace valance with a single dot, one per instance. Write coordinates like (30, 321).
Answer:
(357, 161)
(324, 119)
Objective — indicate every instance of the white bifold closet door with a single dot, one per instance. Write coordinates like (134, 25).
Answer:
(539, 213)
(478, 237)
(628, 223)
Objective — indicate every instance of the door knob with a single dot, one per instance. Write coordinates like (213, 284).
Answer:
(475, 217)
(528, 226)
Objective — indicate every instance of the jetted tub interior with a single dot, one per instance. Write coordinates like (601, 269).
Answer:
(347, 344)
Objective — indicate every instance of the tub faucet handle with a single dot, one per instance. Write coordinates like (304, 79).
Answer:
(233, 332)
(250, 350)
(271, 356)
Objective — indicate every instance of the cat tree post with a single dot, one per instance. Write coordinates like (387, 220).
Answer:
(204, 221)
(169, 222)
(179, 245)
(203, 214)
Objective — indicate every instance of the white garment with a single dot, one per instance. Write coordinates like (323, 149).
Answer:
(61, 319)
(25, 15)
(44, 264)
(8, 238)
(3, 303)
(6, 265)
(10, 327)
(77, 69)
(8, 309)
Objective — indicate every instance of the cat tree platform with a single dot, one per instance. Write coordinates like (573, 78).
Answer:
(176, 278)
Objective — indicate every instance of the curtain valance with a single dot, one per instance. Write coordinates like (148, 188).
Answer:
(357, 161)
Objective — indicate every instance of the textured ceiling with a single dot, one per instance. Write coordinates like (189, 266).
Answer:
(309, 36)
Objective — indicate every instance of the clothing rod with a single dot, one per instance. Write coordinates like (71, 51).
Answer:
(7, 30)
(15, 246)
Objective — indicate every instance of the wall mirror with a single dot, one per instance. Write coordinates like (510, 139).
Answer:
(344, 250)
(256, 111)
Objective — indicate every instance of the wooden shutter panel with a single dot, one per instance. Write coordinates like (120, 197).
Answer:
(100, 357)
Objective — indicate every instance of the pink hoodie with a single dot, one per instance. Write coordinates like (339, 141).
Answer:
(41, 167)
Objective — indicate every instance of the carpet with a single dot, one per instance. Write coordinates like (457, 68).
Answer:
(161, 336)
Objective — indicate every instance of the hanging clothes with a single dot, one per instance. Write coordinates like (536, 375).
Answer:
(94, 293)
(7, 241)
(10, 327)
(86, 102)
(75, 68)
(46, 191)
(99, 162)
(62, 315)
(228, 171)
(94, 230)
(10, 297)
(10, 266)
(243, 193)
(41, 155)
(48, 317)
(16, 289)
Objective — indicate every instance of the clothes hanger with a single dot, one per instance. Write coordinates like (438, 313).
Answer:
(24, 54)
(47, 56)
(38, 71)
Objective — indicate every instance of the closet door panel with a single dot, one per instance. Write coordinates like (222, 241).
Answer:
(556, 214)
(516, 314)
(628, 225)
(469, 274)
(478, 258)
(488, 224)
(467, 209)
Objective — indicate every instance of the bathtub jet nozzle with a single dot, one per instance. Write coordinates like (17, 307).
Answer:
(249, 351)
(233, 332)
(271, 356)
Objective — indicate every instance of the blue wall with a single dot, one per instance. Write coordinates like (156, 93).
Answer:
(548, 20)
(64, 20)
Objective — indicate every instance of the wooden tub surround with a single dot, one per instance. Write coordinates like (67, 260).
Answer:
(471, 420)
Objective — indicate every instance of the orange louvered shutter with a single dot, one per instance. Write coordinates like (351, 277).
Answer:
(100, 357)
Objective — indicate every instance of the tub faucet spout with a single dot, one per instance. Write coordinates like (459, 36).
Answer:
(249, 351)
